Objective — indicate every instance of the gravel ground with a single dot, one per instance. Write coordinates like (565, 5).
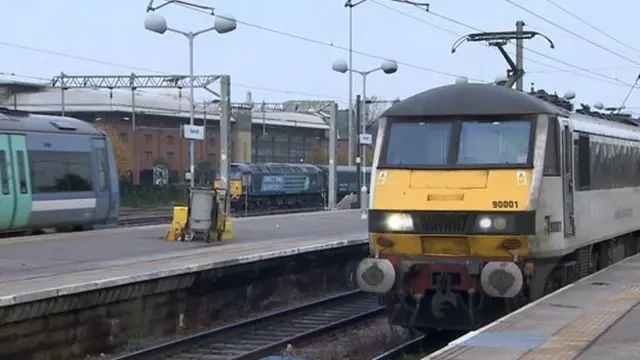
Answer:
(360, 342)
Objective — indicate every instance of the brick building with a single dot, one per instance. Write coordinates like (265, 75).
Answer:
(277, 134)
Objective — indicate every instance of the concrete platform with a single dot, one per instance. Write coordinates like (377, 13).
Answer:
(39, 267)
(595, 318)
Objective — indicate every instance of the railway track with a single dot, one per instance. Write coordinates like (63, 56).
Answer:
(162, 217)
(267, 334)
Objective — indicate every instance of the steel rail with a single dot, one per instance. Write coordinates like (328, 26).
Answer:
(264, 335)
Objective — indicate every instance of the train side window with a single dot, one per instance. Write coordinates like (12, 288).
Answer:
(57, 171)
(551, 158)
(4, 176)
(583, 162)
(22, 172)
(103, 179)
(79, 171)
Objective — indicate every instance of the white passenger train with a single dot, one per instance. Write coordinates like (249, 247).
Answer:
(484, 198)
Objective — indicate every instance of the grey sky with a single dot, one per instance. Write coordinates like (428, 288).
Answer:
(264, 61)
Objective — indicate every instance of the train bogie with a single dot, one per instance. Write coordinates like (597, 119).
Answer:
(55, 173)
(484, 198)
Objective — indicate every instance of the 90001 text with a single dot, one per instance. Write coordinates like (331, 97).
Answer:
(505, 204)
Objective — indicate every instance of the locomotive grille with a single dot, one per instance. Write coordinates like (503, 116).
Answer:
(443, 223)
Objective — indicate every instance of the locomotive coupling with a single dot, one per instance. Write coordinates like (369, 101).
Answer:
(375, 275)
(501, 279)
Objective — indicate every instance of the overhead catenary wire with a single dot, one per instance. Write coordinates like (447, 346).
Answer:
(458, 35)
(247, 86)
(554, 24)
(587, 23)
(606, 68)
(471, 27)
(328, 44)
(604, 78)
(136, 68)
(340, 47)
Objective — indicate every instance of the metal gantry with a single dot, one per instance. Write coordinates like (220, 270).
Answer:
(134, 82)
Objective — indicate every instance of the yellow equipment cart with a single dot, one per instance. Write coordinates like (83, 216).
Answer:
(204, 219)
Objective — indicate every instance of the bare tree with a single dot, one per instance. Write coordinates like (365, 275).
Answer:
(376, 107)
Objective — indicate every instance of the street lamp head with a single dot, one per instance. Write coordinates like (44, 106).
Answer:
(224, 23)
(389, 66)
(340, 66)
(156, 23)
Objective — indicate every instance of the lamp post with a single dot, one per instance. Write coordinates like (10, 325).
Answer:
(350, 4)
(158, 24)
(388, 67)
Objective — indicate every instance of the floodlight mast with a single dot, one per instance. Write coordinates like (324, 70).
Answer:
(515, 73)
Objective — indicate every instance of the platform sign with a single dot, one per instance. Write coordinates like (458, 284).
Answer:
(193, 132)
(366, 139)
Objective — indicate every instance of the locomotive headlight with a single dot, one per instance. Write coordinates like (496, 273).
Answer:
(484, 223)
(499, 223)
(493, 223)
(399, 222)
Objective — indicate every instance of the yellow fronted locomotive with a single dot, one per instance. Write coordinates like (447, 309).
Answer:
(484, 198)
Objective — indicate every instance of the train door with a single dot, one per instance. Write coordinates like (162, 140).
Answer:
(568, 180)
(7, 195)
(21, 180)
(101, 172)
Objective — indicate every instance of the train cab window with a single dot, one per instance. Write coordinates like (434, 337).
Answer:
(103, 174)
(22, 172)
(418, 143)
(551, 158)
(4, 176)
(57, 171)
(494, 142)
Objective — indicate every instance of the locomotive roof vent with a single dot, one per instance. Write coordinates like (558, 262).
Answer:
(63, 125)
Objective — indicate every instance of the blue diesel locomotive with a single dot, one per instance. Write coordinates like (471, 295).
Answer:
(55, 172)
(266, 186)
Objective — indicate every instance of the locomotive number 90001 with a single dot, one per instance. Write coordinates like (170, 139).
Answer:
(504, 204)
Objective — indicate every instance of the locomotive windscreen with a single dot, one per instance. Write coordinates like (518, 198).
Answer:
(458, 143)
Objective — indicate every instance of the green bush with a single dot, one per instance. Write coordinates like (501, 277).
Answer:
(142, 196)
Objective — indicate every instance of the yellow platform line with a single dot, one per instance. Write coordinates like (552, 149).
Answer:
(574, 338)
